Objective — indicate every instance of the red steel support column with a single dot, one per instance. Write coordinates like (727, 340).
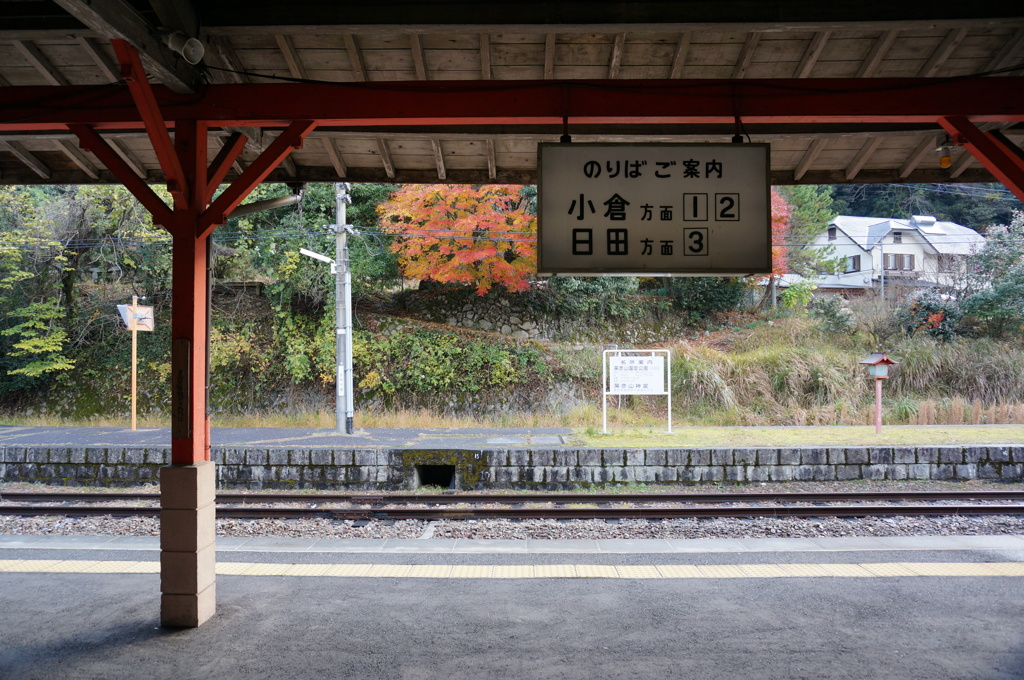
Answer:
(187, 485)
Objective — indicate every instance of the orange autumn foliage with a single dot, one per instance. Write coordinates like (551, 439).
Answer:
(780, 230)
(482, 235)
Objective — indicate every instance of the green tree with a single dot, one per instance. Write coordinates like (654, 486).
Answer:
(40, 339)
(992, 296)
(811, 209)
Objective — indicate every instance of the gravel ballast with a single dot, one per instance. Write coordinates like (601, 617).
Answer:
(783, 527)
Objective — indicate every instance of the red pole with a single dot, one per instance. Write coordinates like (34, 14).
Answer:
(878, 406)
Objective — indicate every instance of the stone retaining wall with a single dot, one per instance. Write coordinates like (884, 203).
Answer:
(361, 469)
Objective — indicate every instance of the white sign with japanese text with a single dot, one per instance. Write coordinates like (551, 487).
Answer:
(636, 371)
(636, 374)
(654, 209)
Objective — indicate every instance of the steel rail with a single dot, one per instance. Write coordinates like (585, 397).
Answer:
(398, 513)
(517, 499)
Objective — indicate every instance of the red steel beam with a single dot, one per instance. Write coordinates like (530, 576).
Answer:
(1004, 164)
(791, 101)
(257, 171)
(221, 165)
(91, 141)
(145, 101)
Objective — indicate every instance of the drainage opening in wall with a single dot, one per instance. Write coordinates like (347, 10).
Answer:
(435, 475)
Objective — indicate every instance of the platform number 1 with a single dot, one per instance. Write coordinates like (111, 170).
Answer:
(727, 207)
(695, 207)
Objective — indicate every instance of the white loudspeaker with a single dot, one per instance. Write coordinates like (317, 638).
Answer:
(190, 49)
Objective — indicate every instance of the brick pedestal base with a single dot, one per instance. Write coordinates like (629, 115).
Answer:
(187, 552)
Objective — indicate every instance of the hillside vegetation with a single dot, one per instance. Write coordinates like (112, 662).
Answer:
(69, 255)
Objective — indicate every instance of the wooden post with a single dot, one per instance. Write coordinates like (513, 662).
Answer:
(133, 312)
(878, 405)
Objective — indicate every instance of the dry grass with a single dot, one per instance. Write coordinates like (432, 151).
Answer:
(899, 435)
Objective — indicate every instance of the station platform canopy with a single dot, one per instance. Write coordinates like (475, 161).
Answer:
(462, 92)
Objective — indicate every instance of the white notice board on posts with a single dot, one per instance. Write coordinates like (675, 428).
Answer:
(654, 209)
(636, 371)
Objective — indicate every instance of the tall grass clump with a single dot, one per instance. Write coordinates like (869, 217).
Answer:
(980, 370)
(700, 375)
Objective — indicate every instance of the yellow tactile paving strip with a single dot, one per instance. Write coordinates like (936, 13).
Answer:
(520, 571)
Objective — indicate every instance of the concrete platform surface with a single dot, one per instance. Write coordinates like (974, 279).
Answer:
(86, 608)
(278, 437)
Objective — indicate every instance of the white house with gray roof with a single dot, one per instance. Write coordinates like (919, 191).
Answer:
(919, 252)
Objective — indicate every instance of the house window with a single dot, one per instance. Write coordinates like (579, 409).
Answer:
(947, 263)
(899, 262)
(853, 264)
(897, 237)
(831, 233)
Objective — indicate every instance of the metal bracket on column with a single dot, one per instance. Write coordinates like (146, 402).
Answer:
(181, 388)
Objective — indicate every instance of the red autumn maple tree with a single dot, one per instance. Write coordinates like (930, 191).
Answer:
(780, 230)
(475, 234)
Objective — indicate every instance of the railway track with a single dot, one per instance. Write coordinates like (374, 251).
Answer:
(563, 506)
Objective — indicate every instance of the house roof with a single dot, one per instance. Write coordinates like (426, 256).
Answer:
(419, 42)
(947, 238)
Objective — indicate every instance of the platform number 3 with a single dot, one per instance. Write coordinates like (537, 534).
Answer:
(695, 241)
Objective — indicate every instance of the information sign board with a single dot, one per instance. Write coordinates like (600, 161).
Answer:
(142, 316)
(654, 209)
(636, 371)
(636, 374)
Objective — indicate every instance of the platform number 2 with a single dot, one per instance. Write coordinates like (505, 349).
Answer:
(728, 207)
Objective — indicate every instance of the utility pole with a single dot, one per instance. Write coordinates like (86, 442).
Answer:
(343, 392)
(343, 312)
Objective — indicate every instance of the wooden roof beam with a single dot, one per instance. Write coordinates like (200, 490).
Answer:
(385, 157)
(220, 53)
(812, 54)
(442, 174)
(130, 159)
(355, 57)
(291, 57)
(77, 157)
(877, 53)
(941, 54)
(917, 155)
(549, 56)
(746, 55)
(118, 20)
(485, 56)
(492, 161)
(679, 56)
(99, 57)
(861, 159)
(178, 15)
(26, 157)
(812, 153)
(289, 166)
(418, 60)
(334, 154)
(1008, 53)
(618, 46)
(38, 60)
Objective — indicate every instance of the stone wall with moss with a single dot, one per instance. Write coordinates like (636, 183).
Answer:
(643, 321)
(541, 469)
